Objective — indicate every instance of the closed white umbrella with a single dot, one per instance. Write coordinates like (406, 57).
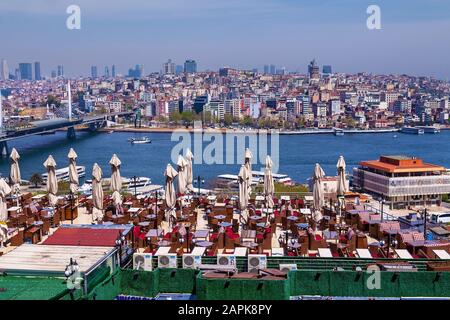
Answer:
(5, 190)
(182, 170)
(341, 186)
(116, 180)
(248, 165)
(14, 176)
(73, 173)
(318, 196)
(243, 189)
(269, 188)
(189, 174)
(97, 193)
(170, 196)
(52, 182)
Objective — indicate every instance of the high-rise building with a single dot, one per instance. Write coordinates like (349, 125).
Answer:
(326, 69)
(179, 69)
(94, 73)
(113, 71)
(169, 67)
(60, 71)
(272, 69)
(53, 74)
(137, 72)
(106, 72)
(37, 71)
(266, 69)
(190, 66)
(5, 70)
(26, 71)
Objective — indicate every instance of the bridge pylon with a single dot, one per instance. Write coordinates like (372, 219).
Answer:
(71, 133)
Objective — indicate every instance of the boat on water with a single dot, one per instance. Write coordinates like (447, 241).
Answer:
(430, 129)
(63, 173)
(129, 184)
(230, 181)
(412, 130)
(338, 132)
(140, 140)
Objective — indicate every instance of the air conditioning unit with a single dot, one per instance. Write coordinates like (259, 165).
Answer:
(168, 260)
(191, 261)
(142, 261)
(226, 260)
(256, 262)
(286, 267)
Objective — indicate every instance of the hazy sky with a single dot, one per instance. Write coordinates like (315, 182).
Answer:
(414, 39)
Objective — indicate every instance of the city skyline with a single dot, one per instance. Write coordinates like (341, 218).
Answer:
(284, 33)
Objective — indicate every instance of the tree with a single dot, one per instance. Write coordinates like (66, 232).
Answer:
(52, 100)
(36, 179)
(175, 117)
(187, 116)
(228, 119)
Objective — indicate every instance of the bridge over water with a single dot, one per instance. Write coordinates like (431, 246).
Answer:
(51, 125)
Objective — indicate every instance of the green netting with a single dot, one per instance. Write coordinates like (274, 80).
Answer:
(353, 284)
(176, 280)
(108, 289)
(240, 289)
(139, 283)
(31, 288)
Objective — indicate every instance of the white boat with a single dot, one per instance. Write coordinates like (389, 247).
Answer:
(230, 181)
(63, 173)
(338, 132)
(140, 140)
(128, 184)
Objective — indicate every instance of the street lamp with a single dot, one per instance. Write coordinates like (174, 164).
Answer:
(199, 181)
(381, 201)
(135, 178)
(119, 242)
(424, 217)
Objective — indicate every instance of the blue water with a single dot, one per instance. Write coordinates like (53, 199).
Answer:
(298, 154)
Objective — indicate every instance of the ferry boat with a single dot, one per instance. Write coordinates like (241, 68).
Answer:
(63, 173)
(230, 181)
(338, 132)
(412, 130)
(129, 184)
(430, 129)
(140, 140)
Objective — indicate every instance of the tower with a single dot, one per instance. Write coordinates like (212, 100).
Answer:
(69, 98)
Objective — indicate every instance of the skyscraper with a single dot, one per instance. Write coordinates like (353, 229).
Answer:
(272, 69)
(94, 73)
(26, 71)
(190, 66)
(5, 70)
(179, 69)
(113, 71)
(169, 67)
(60, 71)
(106, 72)
(37, 71)
(326, 69)
(266, 69)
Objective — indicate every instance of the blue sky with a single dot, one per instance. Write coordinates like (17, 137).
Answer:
(414, 39)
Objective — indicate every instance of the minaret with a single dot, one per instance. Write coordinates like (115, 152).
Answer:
(69, 97)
